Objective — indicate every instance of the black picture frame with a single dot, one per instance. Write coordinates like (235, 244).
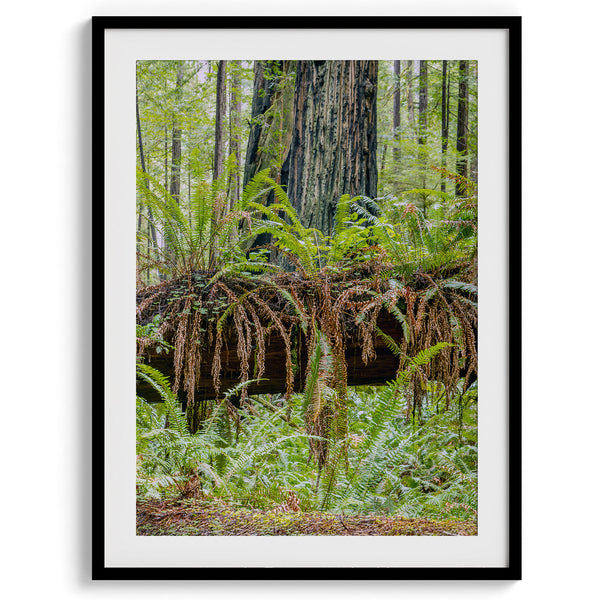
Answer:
(513, 570)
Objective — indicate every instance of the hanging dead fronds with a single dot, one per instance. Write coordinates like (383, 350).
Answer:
(317, 318)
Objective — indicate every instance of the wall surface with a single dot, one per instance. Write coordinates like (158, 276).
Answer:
(46, 321)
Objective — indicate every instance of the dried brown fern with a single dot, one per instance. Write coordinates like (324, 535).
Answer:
(203, 317)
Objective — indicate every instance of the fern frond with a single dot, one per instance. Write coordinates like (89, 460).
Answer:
(161, 384)
(463, 286)
(342, 214)
(425, 356)
(320, 366)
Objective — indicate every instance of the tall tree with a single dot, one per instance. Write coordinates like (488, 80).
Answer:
(423, 98)
(140, 144)
(220, 120)
(151, 230)
(445, 115)
(396, 113)
(218, 160)
(473, 122)
(166, 156)
(462, 124)
(235, 109)
(334, 138)
(143, 166)
(410, 99)
(271, 123)
(175, 185)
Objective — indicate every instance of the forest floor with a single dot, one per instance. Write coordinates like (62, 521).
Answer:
(197, 517)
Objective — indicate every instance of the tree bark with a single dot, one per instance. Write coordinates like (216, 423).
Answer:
(383, 156)
(175, 186)
(140, 145)
(271, 122)
(334, 138)
(143, 167)
(270, 125)
(378, 372)
(166, 157)
(474, 166)
(235, 109)
(160, 241)
(219, 121)
(445, 102)
(423, 92)
(462, 125)
(410, 100)
(396, 115)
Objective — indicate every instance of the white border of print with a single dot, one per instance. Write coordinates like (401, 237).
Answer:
(123, 548)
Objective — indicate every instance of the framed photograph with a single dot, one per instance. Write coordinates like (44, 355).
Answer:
(307, 329)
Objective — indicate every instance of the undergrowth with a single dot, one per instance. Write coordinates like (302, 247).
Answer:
(415, 466)
(406, 449)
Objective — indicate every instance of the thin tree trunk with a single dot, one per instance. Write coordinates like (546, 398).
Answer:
(235, 109)
(444, 122)
(474, 126)
(140, 146)
(334, 139)
(151, 230)
(448, 104)
(219, 121)
(462, 125)
(175, 187)
(166, 157)
(189, 187)
(410, 100)
(396, 115)
(160, 241)
(219, 203)
(143, 166)
(422, 101)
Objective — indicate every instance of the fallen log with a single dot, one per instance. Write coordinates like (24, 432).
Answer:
(220, 335)
(377, 372)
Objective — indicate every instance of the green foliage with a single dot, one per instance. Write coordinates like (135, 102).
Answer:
(358, 232)
(410, 471)
(281, 221)
(404, 162)
(149, 335)
(387, 457)
(169, 456)
(395, 465)
(190, 241)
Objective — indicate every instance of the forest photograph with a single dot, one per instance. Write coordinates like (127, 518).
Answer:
(306, 297)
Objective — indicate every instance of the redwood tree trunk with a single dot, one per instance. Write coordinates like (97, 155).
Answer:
(219, 120)
(175, 186)
(445, 115)
(462, 125)
(143, 166)
(334, 138)
(422, 101)
(396, 115)
(410, 100)
(473, 126)
(218, 161)
(235, 109)
(271, 124)
(140, 145)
